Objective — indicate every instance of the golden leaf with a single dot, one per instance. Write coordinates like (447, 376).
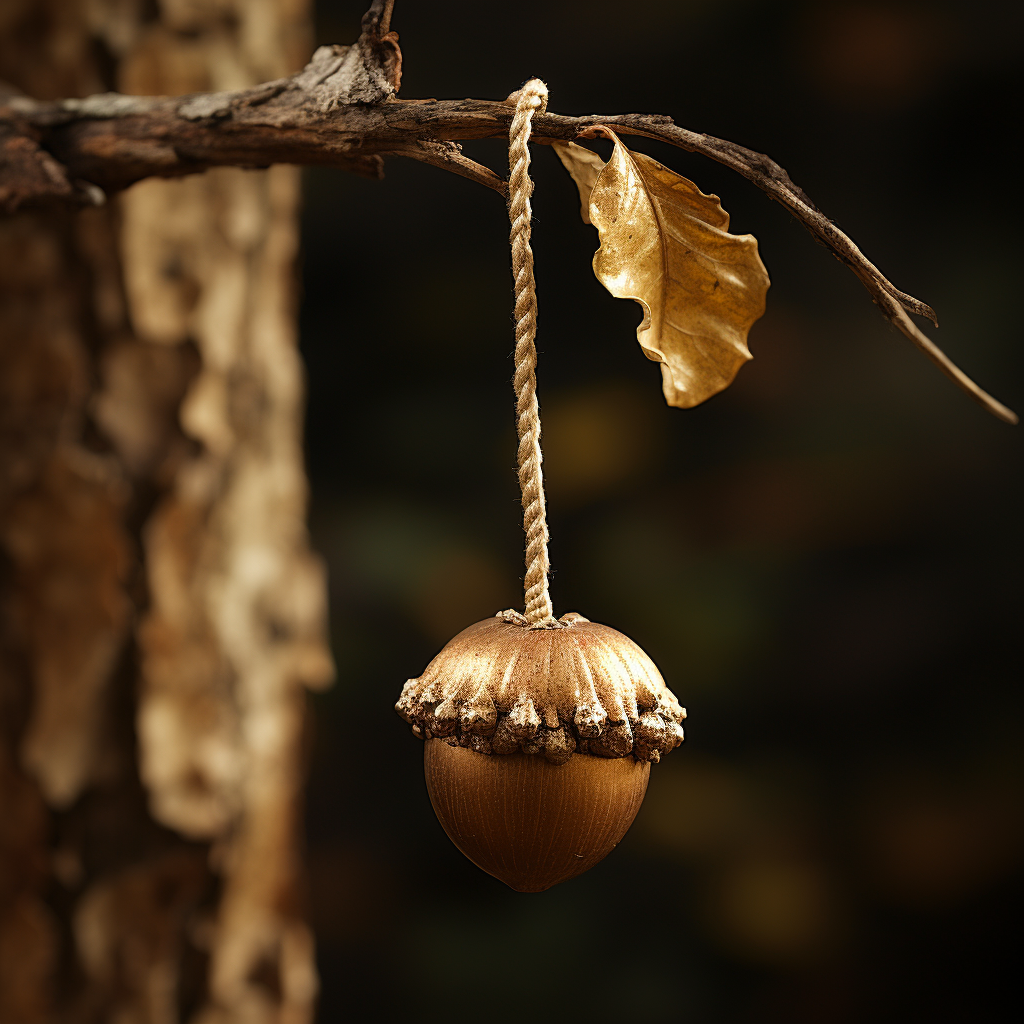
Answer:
(585, 166)
(667, 245)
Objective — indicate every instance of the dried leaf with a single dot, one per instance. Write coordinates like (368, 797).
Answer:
(667, 245)
(585, 166)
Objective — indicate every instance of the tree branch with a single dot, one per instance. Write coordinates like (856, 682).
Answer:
(341, 111)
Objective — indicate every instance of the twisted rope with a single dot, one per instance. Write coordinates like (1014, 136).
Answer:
(539, 613)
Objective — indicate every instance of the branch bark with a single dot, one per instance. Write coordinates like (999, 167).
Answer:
(342, 111)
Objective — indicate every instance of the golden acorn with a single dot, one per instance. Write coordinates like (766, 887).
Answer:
(539, 742)
(539, 731)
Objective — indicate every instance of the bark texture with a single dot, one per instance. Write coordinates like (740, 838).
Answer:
(163, 614)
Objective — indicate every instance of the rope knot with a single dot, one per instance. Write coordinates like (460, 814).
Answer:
(532, 95)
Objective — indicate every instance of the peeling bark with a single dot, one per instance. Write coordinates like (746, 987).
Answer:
(163, 614)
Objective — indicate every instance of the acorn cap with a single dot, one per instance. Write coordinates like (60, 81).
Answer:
(575, 686)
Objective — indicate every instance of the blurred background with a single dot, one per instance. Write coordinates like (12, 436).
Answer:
(824, 560)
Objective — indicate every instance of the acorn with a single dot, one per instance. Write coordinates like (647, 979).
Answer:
(539, 741)
(540, 732)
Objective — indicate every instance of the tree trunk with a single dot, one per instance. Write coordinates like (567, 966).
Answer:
(162, 610)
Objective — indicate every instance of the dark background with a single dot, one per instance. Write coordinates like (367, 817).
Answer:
(824, 560)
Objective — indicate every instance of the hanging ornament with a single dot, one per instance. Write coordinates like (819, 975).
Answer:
(539, 732)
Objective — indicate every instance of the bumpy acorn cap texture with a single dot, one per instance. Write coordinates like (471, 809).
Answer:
(502, 687)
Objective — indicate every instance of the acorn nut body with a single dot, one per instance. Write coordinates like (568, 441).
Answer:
(539, 742)
(527, 821)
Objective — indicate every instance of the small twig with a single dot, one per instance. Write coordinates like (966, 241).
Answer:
(378, 46)
(377, 20)
(449, 157)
